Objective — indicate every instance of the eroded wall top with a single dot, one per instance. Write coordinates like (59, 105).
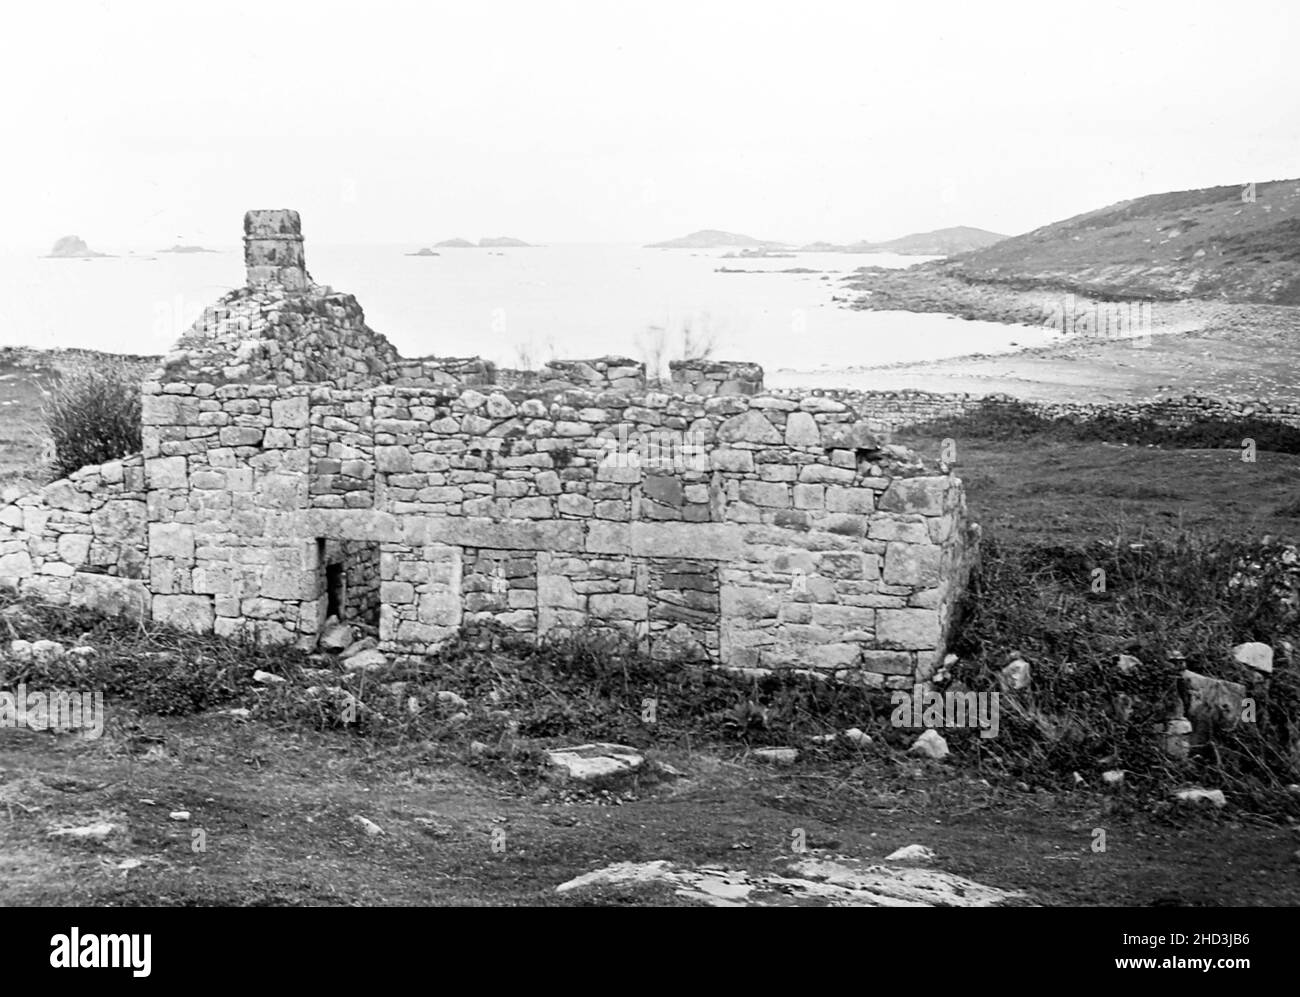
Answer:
(281, 328)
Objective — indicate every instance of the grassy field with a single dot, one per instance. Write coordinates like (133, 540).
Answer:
(1050, 492)
(22, 438)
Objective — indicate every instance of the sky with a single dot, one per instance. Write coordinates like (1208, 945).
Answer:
(138, 125)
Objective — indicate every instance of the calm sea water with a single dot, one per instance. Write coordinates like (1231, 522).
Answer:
(513, 305)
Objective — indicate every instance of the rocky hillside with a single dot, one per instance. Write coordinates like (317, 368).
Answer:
(1228, 243)
(940, 242)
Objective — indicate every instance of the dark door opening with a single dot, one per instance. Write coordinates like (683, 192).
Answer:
(335, 590)
(347, 582)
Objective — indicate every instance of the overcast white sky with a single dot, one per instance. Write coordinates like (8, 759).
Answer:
(140, 124)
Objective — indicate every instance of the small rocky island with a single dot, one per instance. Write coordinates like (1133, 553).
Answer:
(73, 247)
(426, 251)
(500, 242)
(710, 238)
(178, 248)
(762, 253)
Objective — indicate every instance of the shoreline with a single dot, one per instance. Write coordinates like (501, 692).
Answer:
(1190, 346)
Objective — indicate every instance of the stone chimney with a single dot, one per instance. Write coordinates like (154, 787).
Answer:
(273, 249)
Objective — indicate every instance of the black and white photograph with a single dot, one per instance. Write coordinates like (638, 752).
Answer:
(711, 454)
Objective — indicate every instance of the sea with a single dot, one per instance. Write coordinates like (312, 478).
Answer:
(520, 307)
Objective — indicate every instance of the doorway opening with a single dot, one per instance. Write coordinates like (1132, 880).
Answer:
(348, 582)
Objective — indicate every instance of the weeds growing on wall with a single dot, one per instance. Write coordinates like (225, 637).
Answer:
(93, 415)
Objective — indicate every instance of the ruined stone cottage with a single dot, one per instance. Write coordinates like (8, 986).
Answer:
(296, 468)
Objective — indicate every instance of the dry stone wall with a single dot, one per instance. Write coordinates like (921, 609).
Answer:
(753, 531)
(903, 409)
(81, 540)
(715, 377)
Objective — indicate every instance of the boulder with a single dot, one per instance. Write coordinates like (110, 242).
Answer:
(930, 745)
(1016, 676)
(1254, 655)
(1212, 702)
(367, 661)
(338, 637)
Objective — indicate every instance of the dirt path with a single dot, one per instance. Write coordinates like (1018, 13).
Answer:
(272, 822)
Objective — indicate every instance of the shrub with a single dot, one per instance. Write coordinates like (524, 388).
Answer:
(93, 416)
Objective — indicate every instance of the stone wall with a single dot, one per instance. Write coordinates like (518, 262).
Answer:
(715, 377)
(430, 372)
(600, 374)
(753, 531)
(81, 540)
(903, 409)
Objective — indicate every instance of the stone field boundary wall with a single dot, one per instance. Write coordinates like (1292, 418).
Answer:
(896, 410)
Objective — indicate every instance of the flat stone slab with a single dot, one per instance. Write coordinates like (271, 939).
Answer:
(777, 756)
(911, 853)
(586, 762)
(829, 882)
(97, 831)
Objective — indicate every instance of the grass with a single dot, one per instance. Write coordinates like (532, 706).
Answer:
(1013, 421)
(1040, 489)
(23, 441)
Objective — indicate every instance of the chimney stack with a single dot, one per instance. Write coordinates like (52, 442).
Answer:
(273, 249)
